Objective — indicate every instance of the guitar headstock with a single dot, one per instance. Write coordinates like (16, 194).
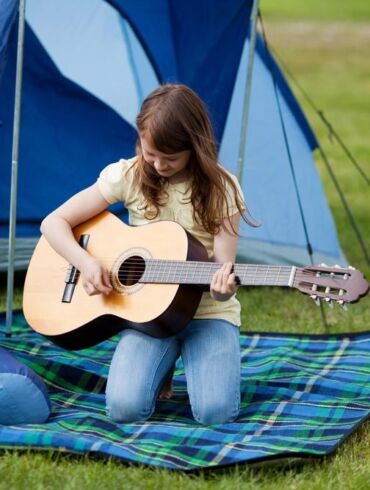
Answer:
(331, 284)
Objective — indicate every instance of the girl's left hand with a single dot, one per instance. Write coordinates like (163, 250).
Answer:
(224, 283)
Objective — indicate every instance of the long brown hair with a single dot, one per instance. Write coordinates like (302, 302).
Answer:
(177, 120)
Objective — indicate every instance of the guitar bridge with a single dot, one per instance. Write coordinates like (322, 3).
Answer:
(73, 274)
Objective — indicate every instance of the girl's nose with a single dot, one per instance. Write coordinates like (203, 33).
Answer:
(159, 165)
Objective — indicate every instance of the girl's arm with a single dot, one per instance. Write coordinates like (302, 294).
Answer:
(223, 284)
(57, 229)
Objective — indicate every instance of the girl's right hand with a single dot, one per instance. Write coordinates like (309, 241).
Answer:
(95, 277)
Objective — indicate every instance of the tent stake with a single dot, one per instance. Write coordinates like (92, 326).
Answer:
(14, 173)
(247, 93)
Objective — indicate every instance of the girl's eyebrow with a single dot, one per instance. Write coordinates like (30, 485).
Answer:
(166, 154)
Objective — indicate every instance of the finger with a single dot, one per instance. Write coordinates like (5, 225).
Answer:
(93, 285)
(102, 287)
(221, 276)
(213, 286)
(236, 277)
(217, 278)
(99, 283)
(106, 279)
(216, 283)
(226, 270)
(90, 289)
(232, 283)
(232, 280)
(229, 266)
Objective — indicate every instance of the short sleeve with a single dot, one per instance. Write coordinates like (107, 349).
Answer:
(232, 208)
(111, 182)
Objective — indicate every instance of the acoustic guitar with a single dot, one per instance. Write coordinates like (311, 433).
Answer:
(158, 273)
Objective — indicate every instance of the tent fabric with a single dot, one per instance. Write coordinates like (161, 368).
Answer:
(196, 38)
(8, 13)
(87, 68)
(302, 396)
(267, 177)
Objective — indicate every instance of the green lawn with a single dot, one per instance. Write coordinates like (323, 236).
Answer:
(319, 10)
(325, 44)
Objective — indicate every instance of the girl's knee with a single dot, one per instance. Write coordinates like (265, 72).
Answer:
(216, 413)
(129, 409)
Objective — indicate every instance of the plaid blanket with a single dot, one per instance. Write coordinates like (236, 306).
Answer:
(302, 395)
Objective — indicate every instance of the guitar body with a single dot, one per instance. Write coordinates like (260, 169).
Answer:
(159, 310)
(158, 273)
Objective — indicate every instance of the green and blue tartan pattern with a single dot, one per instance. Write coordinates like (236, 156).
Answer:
(301, 396)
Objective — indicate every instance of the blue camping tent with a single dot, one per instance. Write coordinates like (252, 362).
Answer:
(87, 68)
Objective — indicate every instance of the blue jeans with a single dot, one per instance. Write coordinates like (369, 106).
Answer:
(211, 355)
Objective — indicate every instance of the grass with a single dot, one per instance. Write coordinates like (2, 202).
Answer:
(330, 59)
(318, 10)
(346, 470)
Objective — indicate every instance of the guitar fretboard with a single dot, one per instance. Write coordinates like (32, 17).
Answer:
(201, 273)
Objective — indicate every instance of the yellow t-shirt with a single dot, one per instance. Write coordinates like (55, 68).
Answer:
(116, 183)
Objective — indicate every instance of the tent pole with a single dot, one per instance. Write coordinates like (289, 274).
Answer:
(248, 86)
(14, 175)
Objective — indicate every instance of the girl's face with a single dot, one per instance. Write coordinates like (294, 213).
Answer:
(171, 166)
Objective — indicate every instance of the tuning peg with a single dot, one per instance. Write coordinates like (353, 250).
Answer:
(342, 304)
(324, 265)
(316, 299)
(329, 301)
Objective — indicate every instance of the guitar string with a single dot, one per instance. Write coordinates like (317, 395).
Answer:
(255, 278)
(198, 263)
(158, 263)
(261, 273)
(139, 274)
(194, 263)
(187, 263)
(164, 267)
(304, 278)
(271, 268)
(179, 267)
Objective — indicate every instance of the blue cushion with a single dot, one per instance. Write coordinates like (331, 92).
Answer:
(23, 395)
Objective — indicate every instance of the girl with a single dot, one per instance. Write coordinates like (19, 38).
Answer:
(174, 176)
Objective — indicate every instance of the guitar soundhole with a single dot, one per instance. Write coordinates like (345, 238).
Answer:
(131, 270)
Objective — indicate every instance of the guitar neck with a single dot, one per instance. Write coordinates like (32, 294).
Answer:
(201, 273)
